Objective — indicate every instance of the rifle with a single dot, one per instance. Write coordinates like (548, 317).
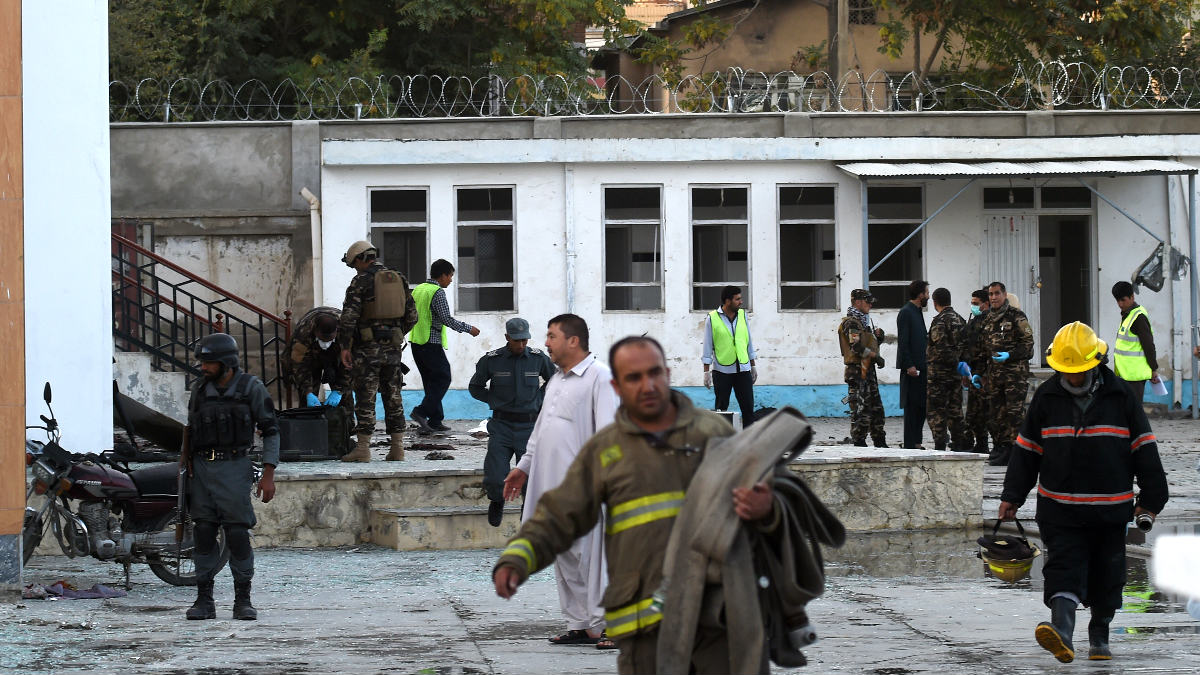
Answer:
(185, 469)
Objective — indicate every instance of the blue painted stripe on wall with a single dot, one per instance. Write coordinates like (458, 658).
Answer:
(823, 400)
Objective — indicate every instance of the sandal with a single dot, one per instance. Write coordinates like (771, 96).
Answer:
(605, 642)
(574, 637)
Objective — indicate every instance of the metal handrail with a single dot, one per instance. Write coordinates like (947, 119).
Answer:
(166, 318)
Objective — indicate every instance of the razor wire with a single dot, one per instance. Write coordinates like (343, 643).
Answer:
(1044, 85)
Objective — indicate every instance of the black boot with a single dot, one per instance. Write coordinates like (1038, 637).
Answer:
(1055, 636)
(204, 607)
(981, 444)
(939, 445)
(1000, 455)
(242, 609)
(861, 443)
(881, 442)
(1098, 636)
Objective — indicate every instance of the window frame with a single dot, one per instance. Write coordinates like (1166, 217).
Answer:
(692, 222)
(510, 224)
(866, 10)
(780, 222)
(398, 226)
(921, 273)
(661, 262)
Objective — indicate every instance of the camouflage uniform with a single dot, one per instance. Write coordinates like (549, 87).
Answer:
(307, 365)
(977, 416)
(866, 408)
(377, 365)
(1006, 330)
(943, 351)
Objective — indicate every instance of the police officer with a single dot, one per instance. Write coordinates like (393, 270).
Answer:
(226, 407)
(511, 380)
(376, 315)
(859, 341)
(1008, 343)
(943, 352)
(976, 419)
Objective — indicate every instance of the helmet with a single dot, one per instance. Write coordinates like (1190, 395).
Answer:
(1011, 571)
(1076, 349)
(219, 347)
(356, 249)
(1006, 556)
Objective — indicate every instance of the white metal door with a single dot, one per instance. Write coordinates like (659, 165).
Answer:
(1010, 256)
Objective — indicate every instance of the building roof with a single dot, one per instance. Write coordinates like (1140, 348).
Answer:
(1087, 167)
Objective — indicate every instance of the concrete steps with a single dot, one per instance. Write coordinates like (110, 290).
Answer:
(441, 527)
(165, 392)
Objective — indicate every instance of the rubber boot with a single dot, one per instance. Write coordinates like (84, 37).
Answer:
(999, 455)
(204, 607)
(361, 452)
(242, 609)
(1098, 636)
(1055, 636)
(396, 452)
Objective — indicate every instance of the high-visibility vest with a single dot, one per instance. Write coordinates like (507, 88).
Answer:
(730, 348)
(423, 296)
(1129, 360)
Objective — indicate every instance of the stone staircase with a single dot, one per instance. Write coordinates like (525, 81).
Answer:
(165, 392)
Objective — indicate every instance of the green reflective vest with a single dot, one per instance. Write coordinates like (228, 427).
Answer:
(729, 348)
(1129, 361)
(423, 296)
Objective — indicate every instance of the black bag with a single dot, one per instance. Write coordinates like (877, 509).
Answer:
(315, 434)
(1006, 546)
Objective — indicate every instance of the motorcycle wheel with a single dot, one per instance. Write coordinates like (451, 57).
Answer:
(181, 570)
(31, 534)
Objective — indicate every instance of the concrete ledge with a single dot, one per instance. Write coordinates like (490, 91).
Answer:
(441, 528)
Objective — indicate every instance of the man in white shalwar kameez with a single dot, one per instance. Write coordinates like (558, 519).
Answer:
(579, 401)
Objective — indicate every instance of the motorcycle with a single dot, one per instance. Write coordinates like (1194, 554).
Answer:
(120, 514)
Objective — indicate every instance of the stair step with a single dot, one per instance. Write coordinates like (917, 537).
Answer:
(442, 528)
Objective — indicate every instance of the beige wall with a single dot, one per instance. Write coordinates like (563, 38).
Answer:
(12, 282)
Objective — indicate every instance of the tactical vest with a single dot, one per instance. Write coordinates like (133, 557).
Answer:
(1129, 359)
(423, 296)
(222, 422)
(730, 348)
(866, 339)
(388, 300)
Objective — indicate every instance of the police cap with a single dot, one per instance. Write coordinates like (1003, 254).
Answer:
(517, 329)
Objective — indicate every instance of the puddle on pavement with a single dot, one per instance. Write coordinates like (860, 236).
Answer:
(952, 555)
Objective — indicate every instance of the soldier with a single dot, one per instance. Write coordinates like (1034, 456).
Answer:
(1007, 340)
(943, 352)
(315, 357)
(859, 341)
(516, 373)
(976, 420)
(220, 473)
(376, 315)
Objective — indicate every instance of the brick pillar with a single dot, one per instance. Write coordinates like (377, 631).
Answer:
(12, 300)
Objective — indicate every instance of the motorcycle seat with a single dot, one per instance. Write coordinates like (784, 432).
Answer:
(161, 479)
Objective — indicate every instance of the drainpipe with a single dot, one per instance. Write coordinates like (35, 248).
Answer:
(1195, 327)
(1176, 301)
(314, 214)
(569, 226)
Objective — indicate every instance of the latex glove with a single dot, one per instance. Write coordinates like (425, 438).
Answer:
(334, 398)
(708, 379)
(1000, 357)
(976, 382)
(312, 400)
(753, 374)
(964, 369)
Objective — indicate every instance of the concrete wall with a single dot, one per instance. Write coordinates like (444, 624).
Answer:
(68, 339)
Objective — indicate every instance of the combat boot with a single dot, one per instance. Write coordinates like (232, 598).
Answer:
(396, 452)
(1055, 636)
(204, 607)
(999, 455)
(981, 444)
(1098, 636)
(242, 609)
(361, 452)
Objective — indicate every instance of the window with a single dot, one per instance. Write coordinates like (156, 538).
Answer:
(399, 221)
(1066, 197)
(862, 12)
(720, 244)
(807, 264)
(484, 217)
(892, 214)
(1008, 198)
(633, 248)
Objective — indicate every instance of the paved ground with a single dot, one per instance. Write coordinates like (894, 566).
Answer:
(914, 602)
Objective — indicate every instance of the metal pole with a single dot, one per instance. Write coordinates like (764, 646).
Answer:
(919, 227)
(866, 259)
(1121, 210)
(1195, 292)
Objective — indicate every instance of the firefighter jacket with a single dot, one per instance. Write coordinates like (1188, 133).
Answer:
(1084, 461)
(641, 480)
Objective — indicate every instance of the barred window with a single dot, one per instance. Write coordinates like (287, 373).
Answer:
(399, 222)
(892, 214)
(720, 244)
(807, 257)
(486, 256)
(633, 248)
(862, 12)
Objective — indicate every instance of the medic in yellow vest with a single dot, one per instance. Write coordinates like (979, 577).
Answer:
(729, 352)
(1134, 358)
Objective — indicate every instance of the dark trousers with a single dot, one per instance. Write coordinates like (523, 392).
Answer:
(1087, 560)
(435, 374)
(506, 441)
(1139, 389)
(742, 387)
(913, 401)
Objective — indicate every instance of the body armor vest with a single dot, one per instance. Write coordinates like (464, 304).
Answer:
(866, 338)
(388, 301)
(222, 421)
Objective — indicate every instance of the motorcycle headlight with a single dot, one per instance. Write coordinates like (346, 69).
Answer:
(42, 473)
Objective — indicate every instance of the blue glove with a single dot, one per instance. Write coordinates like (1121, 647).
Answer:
(1000, 357)
(964, 369)
(334, 398)
(312, 401)
(976, 382)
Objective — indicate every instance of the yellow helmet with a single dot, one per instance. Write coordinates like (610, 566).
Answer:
(356, 249)
(1011, 571)
(1076, 349)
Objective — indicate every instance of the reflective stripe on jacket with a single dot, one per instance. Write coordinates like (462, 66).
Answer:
(729, 348)
(1129, 359)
